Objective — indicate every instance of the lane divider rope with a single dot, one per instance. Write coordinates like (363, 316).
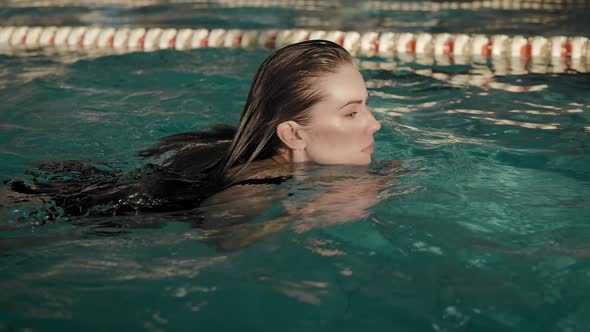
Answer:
(458, 48)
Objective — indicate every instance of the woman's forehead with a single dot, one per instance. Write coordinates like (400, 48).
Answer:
(345, 84)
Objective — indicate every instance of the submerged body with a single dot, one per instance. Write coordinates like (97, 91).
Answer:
(270, 196)
(299, 196)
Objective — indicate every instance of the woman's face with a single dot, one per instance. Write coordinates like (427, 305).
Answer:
(341, 127)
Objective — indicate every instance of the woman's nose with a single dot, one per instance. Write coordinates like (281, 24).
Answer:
(374, 125)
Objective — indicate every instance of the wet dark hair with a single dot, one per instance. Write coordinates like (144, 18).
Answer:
(192, 166)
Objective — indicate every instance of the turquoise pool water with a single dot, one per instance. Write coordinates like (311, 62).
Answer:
(487, 230)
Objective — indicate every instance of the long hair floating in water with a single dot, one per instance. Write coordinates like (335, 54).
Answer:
(189, 167)
(178, 181)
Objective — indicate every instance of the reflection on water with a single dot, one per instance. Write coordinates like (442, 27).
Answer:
(319, 197)
(478, 82)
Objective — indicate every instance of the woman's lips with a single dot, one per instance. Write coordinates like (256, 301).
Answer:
(369, 148)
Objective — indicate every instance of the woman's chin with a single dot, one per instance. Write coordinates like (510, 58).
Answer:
(363, 161)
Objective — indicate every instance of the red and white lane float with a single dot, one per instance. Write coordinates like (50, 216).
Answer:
(562, 51)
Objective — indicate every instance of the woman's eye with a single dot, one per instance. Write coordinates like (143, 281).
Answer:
(351, 114)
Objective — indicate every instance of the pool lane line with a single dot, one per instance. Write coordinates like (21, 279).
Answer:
(403, 6)
(571, 52)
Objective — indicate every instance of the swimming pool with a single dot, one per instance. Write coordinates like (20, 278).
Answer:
(486, 231)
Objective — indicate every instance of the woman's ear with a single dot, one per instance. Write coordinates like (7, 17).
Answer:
(289, 133)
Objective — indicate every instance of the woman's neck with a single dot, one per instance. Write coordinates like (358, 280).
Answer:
(291, 156)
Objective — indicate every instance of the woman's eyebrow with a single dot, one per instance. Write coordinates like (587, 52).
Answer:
(356, 101)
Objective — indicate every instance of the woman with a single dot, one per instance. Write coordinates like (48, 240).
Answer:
(306, 106)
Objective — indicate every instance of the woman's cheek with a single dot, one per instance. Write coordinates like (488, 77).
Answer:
(336, 133)
(326, 146)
